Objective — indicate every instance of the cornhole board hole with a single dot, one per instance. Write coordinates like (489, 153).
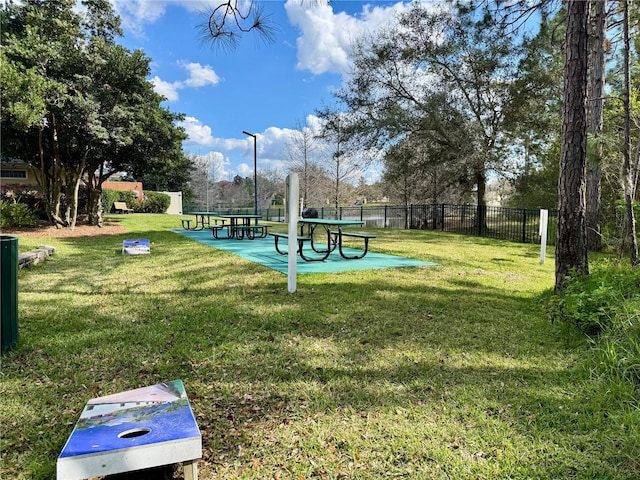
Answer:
(136, 247)
(139, 429)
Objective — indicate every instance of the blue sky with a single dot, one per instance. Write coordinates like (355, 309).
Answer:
(263, 89)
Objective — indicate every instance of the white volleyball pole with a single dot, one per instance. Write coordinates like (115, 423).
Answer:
(544, 222)
(293, 190)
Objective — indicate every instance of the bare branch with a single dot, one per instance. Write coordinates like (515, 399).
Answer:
(225, 26)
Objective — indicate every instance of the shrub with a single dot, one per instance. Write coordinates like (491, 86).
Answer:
(26, 194)
(14, 214)
(596, 302)
(111, 196)
(154, 202)
(108, 198)
(606, 306)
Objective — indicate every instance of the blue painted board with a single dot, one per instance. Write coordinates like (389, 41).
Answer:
(133, 430)
(136, 247)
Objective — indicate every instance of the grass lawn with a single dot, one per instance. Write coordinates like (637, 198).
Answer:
(447, 372)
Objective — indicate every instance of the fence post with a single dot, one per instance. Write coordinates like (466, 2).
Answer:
(442, 219)
(481, 213)
(385, 216)
(524, 225)
(434, 222)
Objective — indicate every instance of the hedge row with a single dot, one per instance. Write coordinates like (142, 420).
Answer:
(22, 205)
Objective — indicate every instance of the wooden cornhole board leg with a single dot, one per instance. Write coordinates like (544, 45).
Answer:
(190, 470)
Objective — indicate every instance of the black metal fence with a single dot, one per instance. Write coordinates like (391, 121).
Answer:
(514, 224)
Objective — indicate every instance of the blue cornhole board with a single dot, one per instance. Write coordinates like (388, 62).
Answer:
(134, 430)
(136, 247)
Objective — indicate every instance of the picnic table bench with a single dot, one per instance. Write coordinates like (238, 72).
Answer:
(202, 220)
(254, 231)
(121, 207)
(301, 239)
(364, 236)
(240, 231)
(334, 238)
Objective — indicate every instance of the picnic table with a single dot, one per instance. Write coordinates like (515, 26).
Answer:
(240, 226)
(202, 220)
(334, 238)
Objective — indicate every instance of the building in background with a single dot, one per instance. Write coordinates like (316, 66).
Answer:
(135, 187)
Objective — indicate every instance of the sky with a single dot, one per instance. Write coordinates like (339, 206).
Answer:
(264, 89)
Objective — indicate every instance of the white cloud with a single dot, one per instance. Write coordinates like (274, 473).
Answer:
(326, 37)
(199, 75)
(135, 14)
(244, 170)
(198, 133)
(166, 89)
(216, 163)
(271, 145)
(314, 123)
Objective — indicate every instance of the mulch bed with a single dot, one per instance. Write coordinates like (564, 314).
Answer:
(81, 230)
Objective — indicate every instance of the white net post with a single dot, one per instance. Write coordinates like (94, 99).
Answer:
(544, 222)
(292, 215)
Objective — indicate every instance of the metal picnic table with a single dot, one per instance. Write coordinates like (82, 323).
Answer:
(334, 238)
(240, 227)
(203, 219)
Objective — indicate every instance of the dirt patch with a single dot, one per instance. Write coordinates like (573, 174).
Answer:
(81, 230)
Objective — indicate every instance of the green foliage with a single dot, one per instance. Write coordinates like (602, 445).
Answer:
(111, 196)
(621, 207)
(14, 214)
(614, 216)
(25, 194)
(600, 302)
(612, 141)
(606, 305)
(64, 66)
(537, 185)
(154, 202)
(616, 357)
(108, 197)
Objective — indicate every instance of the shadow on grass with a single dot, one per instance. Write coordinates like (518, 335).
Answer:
(255, 358)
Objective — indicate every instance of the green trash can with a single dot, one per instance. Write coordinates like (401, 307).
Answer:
(8, 292)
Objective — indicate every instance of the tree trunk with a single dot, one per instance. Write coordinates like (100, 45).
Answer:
(57, 177)
(571, 245)
(43, 178)
(72, 187)
(94, 205)
(627, 170)
(598, 28)
(94, 197)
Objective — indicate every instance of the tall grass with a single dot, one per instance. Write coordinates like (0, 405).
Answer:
(432, 372)
(605, 305)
